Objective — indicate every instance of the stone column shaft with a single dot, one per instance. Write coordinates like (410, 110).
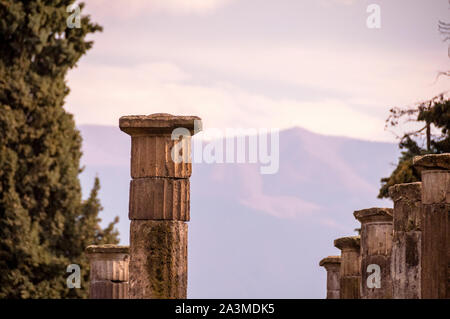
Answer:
(376, 246)
(332, 264)
(350, 269)
(159, 203)
(109, 271)
(435, 173)
(407, 241)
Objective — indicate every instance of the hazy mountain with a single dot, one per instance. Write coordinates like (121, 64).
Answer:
(253, 235)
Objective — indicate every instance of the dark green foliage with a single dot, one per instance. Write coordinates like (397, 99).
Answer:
(44, 224)
(433, 113)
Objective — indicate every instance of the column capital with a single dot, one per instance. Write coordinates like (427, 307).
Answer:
(107, 248)
(330, 260)
(406, 191)
(374, 214)
(350, 242)
(158, 124)
(432, 162)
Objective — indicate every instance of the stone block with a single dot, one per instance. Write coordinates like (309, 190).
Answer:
(158, 265)
(159, 199)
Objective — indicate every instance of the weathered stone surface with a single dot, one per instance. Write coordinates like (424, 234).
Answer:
(406, 265)
(376, 246)
(407, 241)
(432, 162)
(151, 156)
(350, 287)
(159, 199)
(385, 291)
(108, 248)
(152, 144)
(109, 290)
(374, 214)
(159, 202)
(158, 123)
(435, 273)
(436, 187)
(158, 265)
(109, 273)
(406, 192)
(407, 206)
(350, 242)
(435, 251)
(330, 260)
(332, 264)
(350, 269)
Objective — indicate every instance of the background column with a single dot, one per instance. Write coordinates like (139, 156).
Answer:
(332, 264)
(435, 172)
(109, 271)
(407, 241)
(159, 204)
(376, 247)
(350, 270)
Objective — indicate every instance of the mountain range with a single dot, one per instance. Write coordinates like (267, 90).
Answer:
(254, 235)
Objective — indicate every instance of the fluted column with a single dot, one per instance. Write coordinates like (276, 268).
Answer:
(159, 203)
(435, 173)
(407, 242)
(376, 247)
(350, 270)
(109, 271)
(332, 265)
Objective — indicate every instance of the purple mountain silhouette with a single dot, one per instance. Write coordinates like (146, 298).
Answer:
(253, 235)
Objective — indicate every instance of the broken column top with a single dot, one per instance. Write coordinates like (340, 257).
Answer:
(374, 214)
(158, 123)
(107, 248)
(347, 242)
(432, 162)
(330, 260)
(406, 191)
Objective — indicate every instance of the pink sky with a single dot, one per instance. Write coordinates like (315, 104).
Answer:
(249, 63)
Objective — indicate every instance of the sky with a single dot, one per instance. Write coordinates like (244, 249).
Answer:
(261, 64)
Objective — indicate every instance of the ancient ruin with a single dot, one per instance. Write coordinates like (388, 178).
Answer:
(376, 246)
(159, 203)
(332, 264)
(403, 253)
(435, 172)
(350, 270)
(407, 241)
(109, 271)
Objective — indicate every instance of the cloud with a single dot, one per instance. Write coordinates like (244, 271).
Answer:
(369, 77)
(234, 79)
(129, 9)
(101, 94)
(328, 3)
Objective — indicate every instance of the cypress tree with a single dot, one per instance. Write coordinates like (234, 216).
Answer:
(44, 223)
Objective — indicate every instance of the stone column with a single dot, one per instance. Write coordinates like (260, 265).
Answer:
(332, 264)
(435, 172)
(350, 270)
(159, 203)
(407, 241)
(376, 247)
(109, 271)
